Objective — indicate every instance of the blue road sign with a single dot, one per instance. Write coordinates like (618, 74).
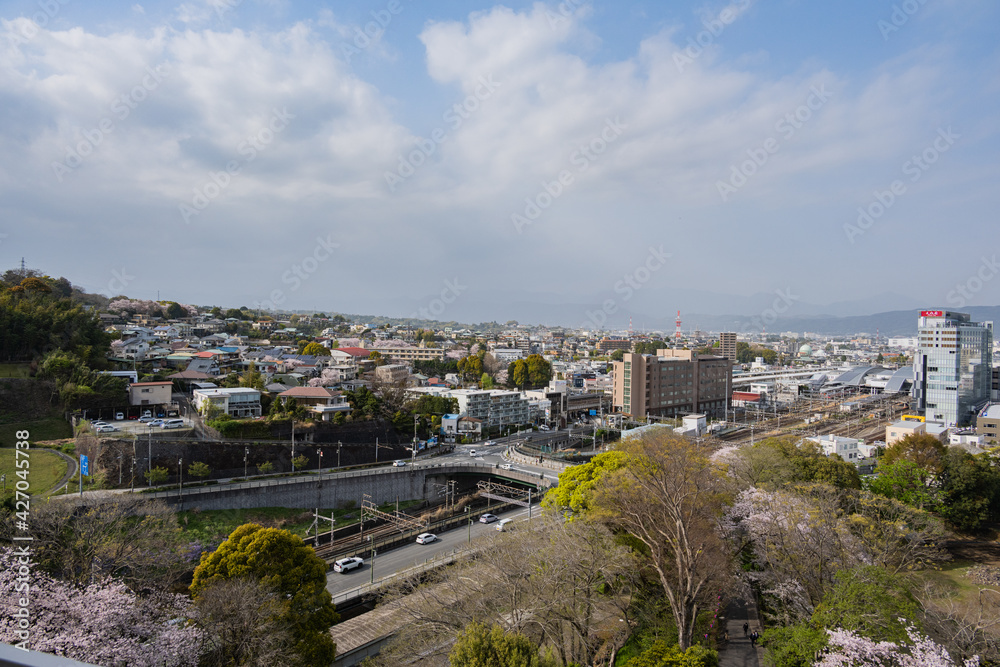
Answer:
(84, 465)
(593, 412)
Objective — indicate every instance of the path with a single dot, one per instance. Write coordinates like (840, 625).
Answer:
(738, 652)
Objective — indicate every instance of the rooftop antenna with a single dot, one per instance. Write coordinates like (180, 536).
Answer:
(24, 271)
(677, 333)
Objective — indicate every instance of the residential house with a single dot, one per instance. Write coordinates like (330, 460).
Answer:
(150, 393)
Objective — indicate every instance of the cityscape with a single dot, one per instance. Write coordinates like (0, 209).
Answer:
(528, 334)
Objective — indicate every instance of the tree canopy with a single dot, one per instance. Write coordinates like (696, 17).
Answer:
(281, 560)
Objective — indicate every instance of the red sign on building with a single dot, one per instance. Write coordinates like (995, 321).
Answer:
(931, 313)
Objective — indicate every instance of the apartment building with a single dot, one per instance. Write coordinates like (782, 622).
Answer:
(727, 345)
(672, 382)
(611, 343)
(409, 353)
(392, 373)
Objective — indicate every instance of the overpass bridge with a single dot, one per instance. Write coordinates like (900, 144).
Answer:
(338, 489)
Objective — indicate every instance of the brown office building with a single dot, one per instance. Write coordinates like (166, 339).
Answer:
(671, 383)
(727, 346)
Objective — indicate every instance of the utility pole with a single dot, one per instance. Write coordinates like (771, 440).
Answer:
(246, 456)
(469, 514)
(293, 444)
(119, 470)
(149, 458)
(180, 476)
(339, 445)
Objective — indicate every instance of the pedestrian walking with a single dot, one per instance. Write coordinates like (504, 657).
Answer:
(746, 629)
(753, 638)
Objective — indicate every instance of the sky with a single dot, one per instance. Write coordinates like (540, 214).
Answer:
(574, 163)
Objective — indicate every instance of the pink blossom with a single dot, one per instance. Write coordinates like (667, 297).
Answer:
(103, 624)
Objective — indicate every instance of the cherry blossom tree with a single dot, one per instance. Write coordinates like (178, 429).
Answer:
(103, 623)
(849, 649)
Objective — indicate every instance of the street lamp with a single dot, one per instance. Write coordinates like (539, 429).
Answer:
(180, 476)
(319, 465)
(468, 513)
(339, 445)
(371, 545)
(246, 456)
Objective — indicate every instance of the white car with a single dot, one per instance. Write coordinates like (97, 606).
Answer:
(488, 518)
(348, 564)
(506, 466)
(106, 428)
(145, 419)
(399, 463)
(426, 538)
(472, 452)
(503, 524)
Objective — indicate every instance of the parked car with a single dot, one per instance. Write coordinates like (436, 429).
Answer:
(488, 443)
(543, 427)
(503, 524)
(98, 423)
(348, 564)
(156, 422)
(172, 423)
(147, 413)
(146, 419)
(472, 452)
(106, 428)
(119, 416)
(398, 463)
(488, 518)
(506, 466)
(426, 538)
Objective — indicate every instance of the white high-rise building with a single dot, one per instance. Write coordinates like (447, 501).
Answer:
(952, 369)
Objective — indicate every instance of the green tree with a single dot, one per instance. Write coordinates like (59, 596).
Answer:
(199, 469)
(793, 645)
(471, 367)
(486, 382)
(577, 483)
(252, 378)
(300, 462)
(664, 654)
(479, 646)
(517, 373)
(156, 475)
(539, 370)
(871, 601)
(281, 560)
(617, 355)
(904, 481)
(970, 490)
(265, 468)
(175, 311)
(316, 350)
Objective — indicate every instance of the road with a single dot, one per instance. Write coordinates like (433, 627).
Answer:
(402, 558)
